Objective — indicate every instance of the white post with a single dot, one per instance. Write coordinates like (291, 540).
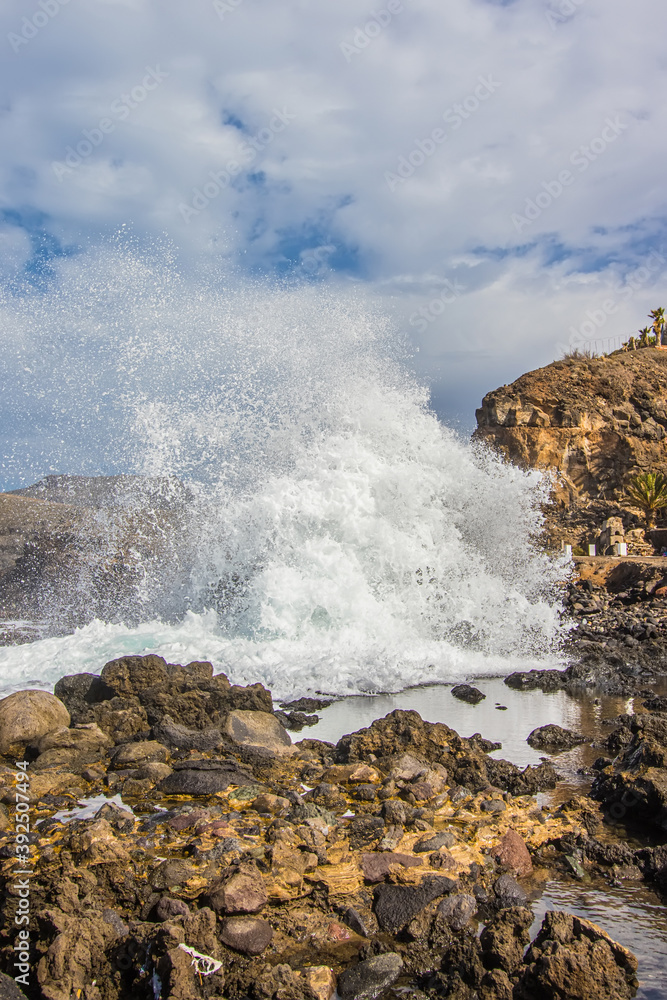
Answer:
(567, 549)
(591, 550)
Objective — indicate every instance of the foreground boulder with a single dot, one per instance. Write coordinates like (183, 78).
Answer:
(26, 716)
(572, 958)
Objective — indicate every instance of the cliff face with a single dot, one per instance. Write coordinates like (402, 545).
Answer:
(595, 421)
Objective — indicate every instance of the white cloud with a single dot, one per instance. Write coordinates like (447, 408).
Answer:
(355, 116)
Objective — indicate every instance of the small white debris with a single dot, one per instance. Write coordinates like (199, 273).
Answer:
(204, 964)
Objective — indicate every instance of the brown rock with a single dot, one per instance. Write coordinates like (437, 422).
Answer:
(321, 980)
(505, 938)
(27, 716)
(135, 754)
(591, 419)
(244, 892)
(376, 866)
(273, 804)
(249, 935)
(258, 729)
(572, 958)
(129, 675)
(512, 854)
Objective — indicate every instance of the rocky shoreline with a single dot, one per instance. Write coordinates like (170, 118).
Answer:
(217, 858)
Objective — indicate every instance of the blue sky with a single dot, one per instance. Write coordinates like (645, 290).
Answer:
(491, 174)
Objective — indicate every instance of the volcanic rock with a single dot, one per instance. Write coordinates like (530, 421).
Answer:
(572, 958)
(376, 866)
(444, 839)
(249, 935)
(465, 692)
(504, 939)
(553, 739)
(396, 905)
(369, 979)
(458, 910)
(512, 854)
(508, 892)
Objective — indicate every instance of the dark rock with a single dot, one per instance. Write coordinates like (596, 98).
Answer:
(467, 693)
(369, 979)
(537, 680)
(249, 935)
(355, 921)
(396, 905)
(178, 737)
(553, 739)
(493, 806)
(395, 812)
(308, 704)
(79, 691)
(508, 892)
(458, 910)
(9, 990)
(363, 830)
(427, 844)
(192, 782)
(295, 721)
(169, 908)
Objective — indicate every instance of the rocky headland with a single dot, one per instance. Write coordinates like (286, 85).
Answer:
(216, 858)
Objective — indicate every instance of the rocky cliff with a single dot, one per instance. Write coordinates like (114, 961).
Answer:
(595, 421)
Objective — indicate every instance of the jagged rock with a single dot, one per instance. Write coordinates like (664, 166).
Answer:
(553, 739)
(504, 939)
(8, 988)
(369, 979)
(79, 692)
(594, 420)
(467, 693)
(572, 958)
(27, 716)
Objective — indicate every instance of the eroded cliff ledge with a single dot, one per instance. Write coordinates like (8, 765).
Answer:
(594, 421)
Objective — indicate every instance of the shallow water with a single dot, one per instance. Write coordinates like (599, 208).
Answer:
(524, 711)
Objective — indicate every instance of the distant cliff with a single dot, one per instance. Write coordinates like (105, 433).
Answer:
(595, 421)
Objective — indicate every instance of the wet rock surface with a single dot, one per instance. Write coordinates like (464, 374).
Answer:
(237, 869)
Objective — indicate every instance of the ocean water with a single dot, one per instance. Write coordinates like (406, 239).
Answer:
(334, 535)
